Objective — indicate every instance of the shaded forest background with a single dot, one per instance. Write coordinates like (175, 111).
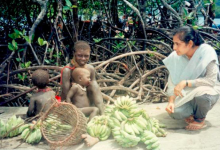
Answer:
(129, 39)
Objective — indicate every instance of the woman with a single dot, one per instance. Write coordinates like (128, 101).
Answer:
(193, 84)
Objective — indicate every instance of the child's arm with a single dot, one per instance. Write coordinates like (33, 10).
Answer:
(71, 93)
(31, 108)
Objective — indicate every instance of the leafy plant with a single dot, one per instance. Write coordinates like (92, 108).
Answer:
(97, 40)
(13, 46)
(26, 65)
(41, 42)
(68, 6)
(117, 46)
(119, 35)
(22, 77)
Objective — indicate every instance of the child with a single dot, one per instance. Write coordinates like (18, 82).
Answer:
(77, 94)
(43, 99)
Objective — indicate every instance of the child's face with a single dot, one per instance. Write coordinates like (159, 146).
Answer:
(82, 57)
(85, 79)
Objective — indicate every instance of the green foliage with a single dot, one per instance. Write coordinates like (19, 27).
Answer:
(68, 6)
(57, 55)
(41, 42)
(26, 65)
(97, 40)
(23, 76)
(13, 46)
(187, 16)
(119, 35)
(118, 46)
(197, 27)
(27, 39)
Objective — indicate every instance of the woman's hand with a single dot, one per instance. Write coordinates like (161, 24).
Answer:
(178, 88)
(170, 107)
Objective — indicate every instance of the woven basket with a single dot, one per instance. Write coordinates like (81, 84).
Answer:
(63, 124)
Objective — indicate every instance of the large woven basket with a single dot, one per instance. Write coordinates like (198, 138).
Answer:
(63, 124)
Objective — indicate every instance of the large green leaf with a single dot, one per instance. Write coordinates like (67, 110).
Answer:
(41, 42)
(18, 32)
(65, 8)
(27, 64)
(27, 38)
(68, 3)
(74, 6)
(11, 47)
(15, 44)
(14, 35)
(185, 12)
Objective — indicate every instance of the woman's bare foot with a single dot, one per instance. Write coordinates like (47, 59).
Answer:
(196, 125)
(89, 140)
(189, 119)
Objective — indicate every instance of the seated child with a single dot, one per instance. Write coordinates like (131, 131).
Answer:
(77, 95)
(44, 98)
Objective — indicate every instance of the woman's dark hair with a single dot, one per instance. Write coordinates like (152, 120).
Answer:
(187, 33)
(40, 78)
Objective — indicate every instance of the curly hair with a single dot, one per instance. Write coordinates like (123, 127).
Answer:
(40, 78)
(82, 45)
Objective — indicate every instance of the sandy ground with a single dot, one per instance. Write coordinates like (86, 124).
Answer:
(177, 138)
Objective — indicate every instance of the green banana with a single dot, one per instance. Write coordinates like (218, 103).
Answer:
(155, 145)
(123, 117)
(2, 129)
(22, 128)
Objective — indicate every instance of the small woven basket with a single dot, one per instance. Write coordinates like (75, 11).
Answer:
(63, 124)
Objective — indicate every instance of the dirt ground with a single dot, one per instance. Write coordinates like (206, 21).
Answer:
(177, 138)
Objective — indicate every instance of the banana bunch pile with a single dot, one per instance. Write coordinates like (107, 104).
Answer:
(11, 127)
(124, 139)
(151, 140)
(126, 120)
(29, 134)
(98, 127)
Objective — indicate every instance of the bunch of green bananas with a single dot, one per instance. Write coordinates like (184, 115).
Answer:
(123, 138)
(100, 131)
(99, 127)
(132, 127)
(125, 103)
(31, 136)
(12, 126)
(2, 129)
(102, 120)
(113, 122)
(150, 139)
(128, 124)
(23, 127)
(157, 128)
(109, 110)
(55, 126)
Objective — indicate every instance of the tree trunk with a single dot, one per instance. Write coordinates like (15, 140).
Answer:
(114, 12)
(142, 6)
(75, 20)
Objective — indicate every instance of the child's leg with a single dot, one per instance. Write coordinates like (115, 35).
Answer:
(90, 111)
